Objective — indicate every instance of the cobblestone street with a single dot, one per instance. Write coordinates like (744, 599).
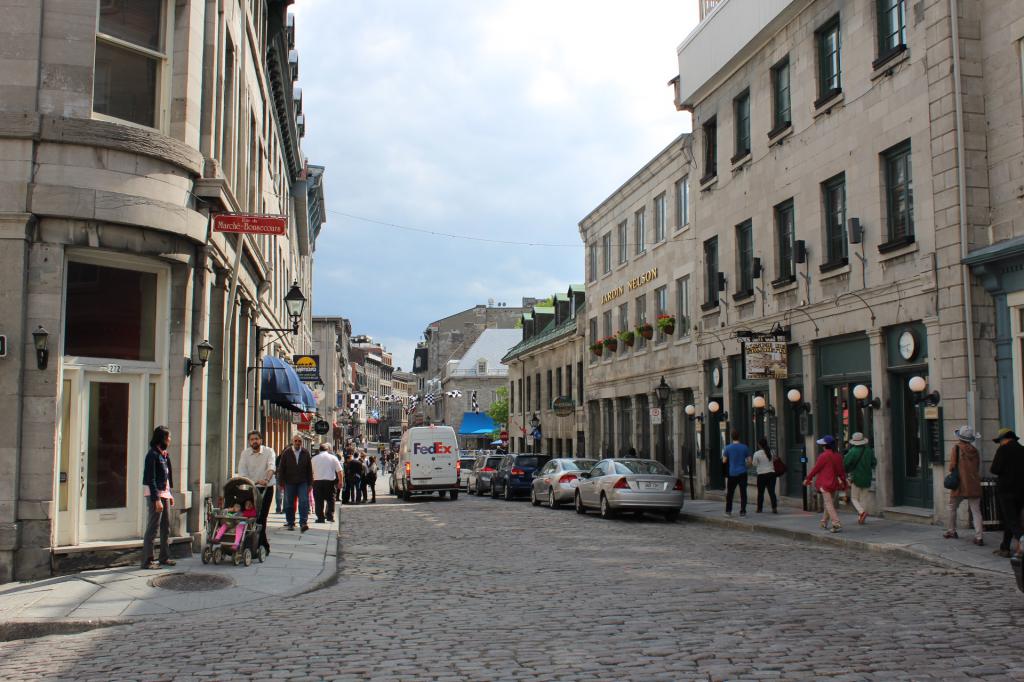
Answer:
(487, 590)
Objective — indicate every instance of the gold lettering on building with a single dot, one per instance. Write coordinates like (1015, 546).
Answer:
(634, 283)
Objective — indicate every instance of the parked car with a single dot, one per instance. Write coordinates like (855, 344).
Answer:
(514, 476)
(556, 482)
(465, 466)
(478, 480)
(639, 485)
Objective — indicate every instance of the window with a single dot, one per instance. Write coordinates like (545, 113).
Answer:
(606, 253)
(481, 366)
(640, 229)
(593, 339)
(683, 306)
(892, 29)
(579, 382)
(660, 308)
(660, 217)
(741, 116)
(830, 81)
(551, 395)
(536, 384)
(607, 323)
(511, 397)
(641, 318)
(784, 238)
(529, 394)
(744, 259)
(623, 322)
(710, 150)
(592, 262)
(782, 114)
(682, 202)
(96, 329)
(131, 51)
(833, 195)
(623, 236)
(558, 382)
(710, 274)
(899, 195)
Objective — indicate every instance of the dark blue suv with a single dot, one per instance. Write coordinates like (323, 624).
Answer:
(514, 476)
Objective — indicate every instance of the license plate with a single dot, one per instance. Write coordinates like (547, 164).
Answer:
(649, 485)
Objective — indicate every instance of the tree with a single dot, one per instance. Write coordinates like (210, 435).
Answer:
(498, 410)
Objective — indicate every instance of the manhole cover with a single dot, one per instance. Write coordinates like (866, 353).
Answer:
(191, 582)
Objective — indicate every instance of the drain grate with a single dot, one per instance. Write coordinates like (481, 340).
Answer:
(191, 582)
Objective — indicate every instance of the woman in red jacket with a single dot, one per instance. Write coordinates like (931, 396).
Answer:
(829, 477)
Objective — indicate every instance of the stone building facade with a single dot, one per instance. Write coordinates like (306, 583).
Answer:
(123, 128)
(331, 336)
(545, 379)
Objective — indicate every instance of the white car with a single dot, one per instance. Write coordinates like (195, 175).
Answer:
(428, 462)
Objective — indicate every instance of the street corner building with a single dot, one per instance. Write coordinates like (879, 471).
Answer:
(834, 249)
(545, 378)
(124, 127)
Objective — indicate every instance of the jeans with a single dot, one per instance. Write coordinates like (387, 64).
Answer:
(293, 492)
(155, 520)
(1009, 512)
(371, 485)
(350, 495)
(766, 482)
(975, 505)
(323, 496)
(734, 481)
(268, 497)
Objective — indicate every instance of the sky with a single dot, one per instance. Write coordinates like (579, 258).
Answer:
(495, 119)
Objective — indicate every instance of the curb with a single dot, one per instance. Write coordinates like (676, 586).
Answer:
(329, 575)
(831, 539)
(32, 628)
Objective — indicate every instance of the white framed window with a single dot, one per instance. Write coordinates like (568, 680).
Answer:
(131, 82)
(682, 202)
(660, 217)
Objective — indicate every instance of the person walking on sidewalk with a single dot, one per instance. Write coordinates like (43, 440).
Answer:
(363, 477)
(158, 477)
(326, 478)
(257, 463)
(859, 463)
(736, 458)
(966, 462)
(766, 476)
(1008, 466)
(829, 477)
(296, 475)
(371, 479)
(353, 478)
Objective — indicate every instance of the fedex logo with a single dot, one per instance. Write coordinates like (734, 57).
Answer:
(434, 449)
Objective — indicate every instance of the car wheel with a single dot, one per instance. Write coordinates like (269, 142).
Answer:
(454, 495)
(551, 499)
(672, 515)
(606, 509)
(580, 509)
(533, 497)
(508, 492)
(407, 496)
(494, 491)
(469, 489)
(441, 494)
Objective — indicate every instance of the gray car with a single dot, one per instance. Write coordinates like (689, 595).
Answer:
(638, 485)
(555, 483)
(478, 479)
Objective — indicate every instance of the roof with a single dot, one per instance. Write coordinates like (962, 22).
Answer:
(548, 334)
(491, 345)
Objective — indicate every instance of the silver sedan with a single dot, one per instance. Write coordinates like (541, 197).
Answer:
(555, 484)
(639, 485)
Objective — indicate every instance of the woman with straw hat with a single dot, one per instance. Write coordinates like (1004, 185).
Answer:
(965, 461)
(859, 462)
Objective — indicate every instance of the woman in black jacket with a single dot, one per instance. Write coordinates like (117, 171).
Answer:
(158, 478)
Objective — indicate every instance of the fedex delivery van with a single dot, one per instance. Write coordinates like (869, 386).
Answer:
(428, 462)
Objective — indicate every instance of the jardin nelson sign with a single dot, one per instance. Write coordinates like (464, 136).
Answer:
(247, 223)
(634, 283)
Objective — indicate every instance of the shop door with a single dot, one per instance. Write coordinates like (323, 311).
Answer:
(912, 474)
(794, 452)
(842, 416)
(715, 442)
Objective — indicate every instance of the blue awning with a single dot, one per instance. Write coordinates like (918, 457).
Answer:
(474, 424)
(281, 385)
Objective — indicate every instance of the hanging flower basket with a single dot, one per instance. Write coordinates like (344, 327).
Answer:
(597, 348)
(611, 343)
(667, 324)
(627, 337)
(646, 330)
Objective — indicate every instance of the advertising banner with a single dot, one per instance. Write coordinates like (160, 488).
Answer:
(307, 367)
(765, 360)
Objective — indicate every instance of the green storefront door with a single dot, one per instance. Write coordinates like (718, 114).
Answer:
(912, 473)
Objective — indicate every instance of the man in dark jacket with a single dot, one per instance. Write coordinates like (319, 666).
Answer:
(295, 475)
(353, 478)
(1008, 466)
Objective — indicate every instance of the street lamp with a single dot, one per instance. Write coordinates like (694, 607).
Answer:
(203, 351)
(862, 393)
(714, 407)
(800, 408)
(40, 338)
(295, 302)
(663, 391)
(918, 385)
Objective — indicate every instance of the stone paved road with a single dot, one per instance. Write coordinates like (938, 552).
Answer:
(483, 589)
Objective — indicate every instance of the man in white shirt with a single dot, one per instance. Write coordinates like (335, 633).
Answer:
(327, 476)
(257, 464)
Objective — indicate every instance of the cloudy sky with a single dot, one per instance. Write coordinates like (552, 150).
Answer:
(495, 119)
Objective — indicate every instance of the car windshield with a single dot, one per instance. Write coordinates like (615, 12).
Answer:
(531, 461)
(640, 466)
(579, 464)
(493, 462)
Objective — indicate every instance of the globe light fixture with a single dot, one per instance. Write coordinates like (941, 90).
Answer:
(862, 393)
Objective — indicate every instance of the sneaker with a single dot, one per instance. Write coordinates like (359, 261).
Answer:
(836, 528)
(860, 517)
(979, 541)
(168, 562)
(823, 523)
(1005, 553)
(950, 535)
(150, 565)
(289, 526)
(304, 528)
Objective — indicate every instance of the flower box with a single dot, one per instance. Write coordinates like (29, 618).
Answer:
(646, 330)
(597, 348)
(611, 343)
(627, 337)
(667, 324)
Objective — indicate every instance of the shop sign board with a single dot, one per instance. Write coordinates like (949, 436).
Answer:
(307, 367)
(563, 405)
(249, 223)
(322, 427)
(765, 360)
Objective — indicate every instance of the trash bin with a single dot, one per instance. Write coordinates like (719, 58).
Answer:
(991, 518)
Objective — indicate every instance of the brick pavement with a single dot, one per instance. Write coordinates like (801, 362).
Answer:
(482, 589)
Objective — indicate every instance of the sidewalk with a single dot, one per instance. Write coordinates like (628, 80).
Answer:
(298, 562)
(918, 541)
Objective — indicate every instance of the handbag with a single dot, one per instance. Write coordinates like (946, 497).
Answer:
(779, 466)
(952, 480)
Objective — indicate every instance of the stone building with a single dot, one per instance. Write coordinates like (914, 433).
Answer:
(376, 367)
(331, 337)
(123, 128)
(545, 379)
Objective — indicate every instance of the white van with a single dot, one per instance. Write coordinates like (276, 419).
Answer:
(428, 462)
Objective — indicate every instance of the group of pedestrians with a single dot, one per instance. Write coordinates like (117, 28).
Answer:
(768, 466)
(360, 477)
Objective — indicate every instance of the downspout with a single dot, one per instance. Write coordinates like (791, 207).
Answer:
(972, 377)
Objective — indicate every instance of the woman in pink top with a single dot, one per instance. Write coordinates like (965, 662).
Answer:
(829, 476)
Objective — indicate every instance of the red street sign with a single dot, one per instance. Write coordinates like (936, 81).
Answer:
(274, 225)
(504, 435)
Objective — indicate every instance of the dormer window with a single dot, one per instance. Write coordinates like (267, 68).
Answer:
(481, 366)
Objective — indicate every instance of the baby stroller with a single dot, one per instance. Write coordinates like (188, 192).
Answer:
(230, 534)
